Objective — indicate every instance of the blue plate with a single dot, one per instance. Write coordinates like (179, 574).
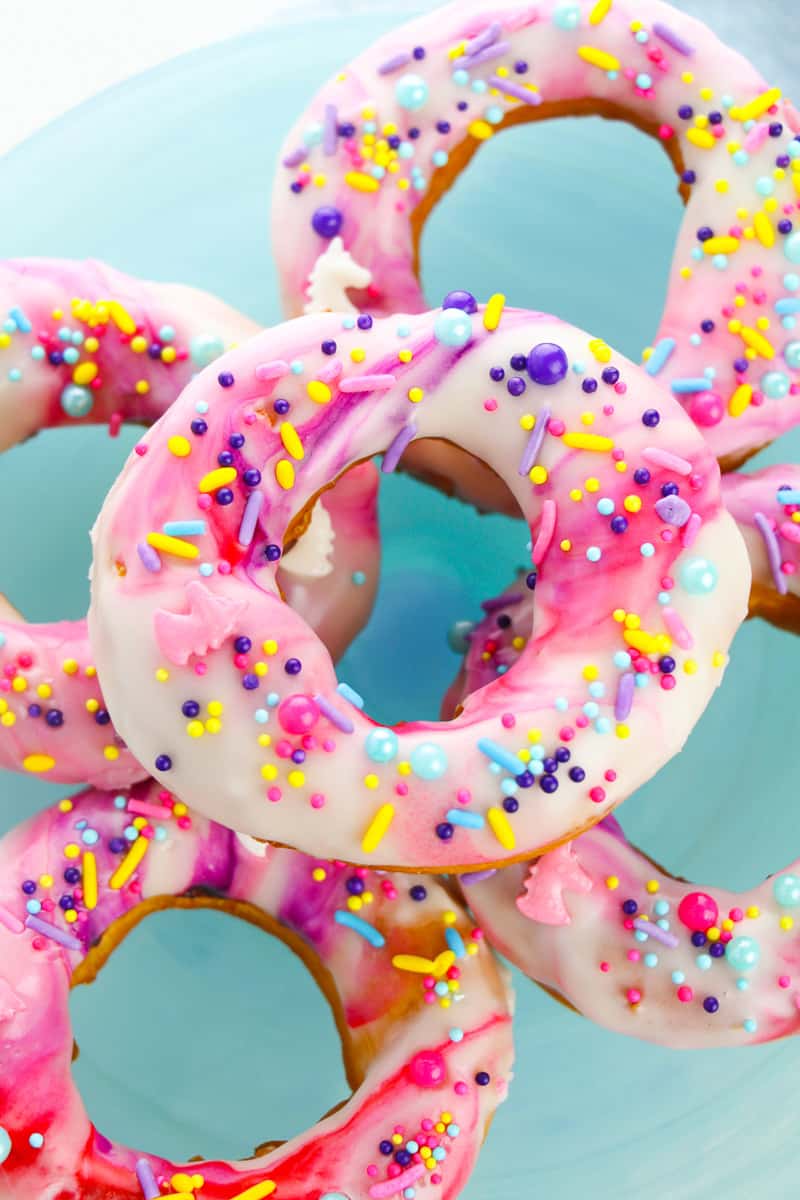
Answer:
(200, 1037)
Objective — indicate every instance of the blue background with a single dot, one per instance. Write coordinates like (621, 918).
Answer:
(201, 1037)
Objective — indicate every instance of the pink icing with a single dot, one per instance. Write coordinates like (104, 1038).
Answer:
(548, 878)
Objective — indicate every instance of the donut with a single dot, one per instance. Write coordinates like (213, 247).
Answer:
(621, 494)
(81, 342)
(391, 956)
(384, 139)
(766, 507)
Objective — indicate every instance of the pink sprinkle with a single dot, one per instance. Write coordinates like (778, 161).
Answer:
(620, 387)
(204, 502)
(490, 405)
(597, 795)
(48, 905)
(477, 935)
(610, 776)
(634, 956)
(667, 583)
(667, 535)
(200, 668)
(372, 1170)
(436, 1178)
(508, 720)
(240, 661)
(617, 455)
(429, 997)
(224, 567)
(605, 967)
(665, 132)
(581, 721)
(274, 794)
(141, 450)
(317, 800)
(685, 994)
(691, 530)
(567, 733)
(696, 481)
(677, 628)
(184, 822)
(143, 809)
(634, 995)
(401, 789)
(664, 458)
(464, 795)
(266, 372)
(556, 428)
(784, 981)
(726, 935)
(547, 527)
(608, 410)
(249, 418)
(460, 1088)
(736, 914)
(329, 745)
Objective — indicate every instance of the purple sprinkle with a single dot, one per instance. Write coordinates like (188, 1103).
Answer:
(672, 39)
(515, 89)
(773, 552)
(476, 876)
(250, 516)
(147, 1180)
(481, 40)
(531, 452)
(396, 447)
(624, 700)
(490, 606)
(394, 63)
(149, 557)
(50, 931)
(334, 716)
(498, 50)
(330, 130)
(296, 157)
(656, 932)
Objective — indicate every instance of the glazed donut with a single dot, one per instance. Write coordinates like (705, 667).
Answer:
(622, 496)
(80, 342)
(391, 958)
(387, 136)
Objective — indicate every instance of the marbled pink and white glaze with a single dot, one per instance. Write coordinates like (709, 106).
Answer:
(293, 758)
(412, 1053)
(145, 341)
(379, 136)
(766, 507)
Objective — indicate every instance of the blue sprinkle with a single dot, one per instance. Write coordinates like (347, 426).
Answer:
(685, 387)
(465, 818)
(500, 755)
(20, 320)
(363, 928)
(184, 528)
(350, 694)
(662, 352)
(455, 942)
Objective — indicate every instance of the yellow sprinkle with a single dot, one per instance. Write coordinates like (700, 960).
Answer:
(405, 356)
(690, 666)
(270, 646)
(216, 479)
(576, 494)
(598, 58)
(162, 674)
(361, 182)
(129, 864)
(632, 621)
(600, 11)
(538, 474)
(378, 828)
(138, 344)
(284, 474)
(588, 441)
(592, 484)
(121, 317)
(169, 354)
(481, 130)
(65, 806)
(89, 879)
(72, 851)
(755, 340)
(457, 51)
(740, 400)
(46, 881)
(566, 545)
(195, 729)
(19, 683)
(110, 753)
(318, 391)
(587, 418)
(527, 421)
(319, 874)
(721, 186)
(786, 923)
(142, 387)
(179, 446)
(69, 666)
(600, 349)
(765, 231)
(501, 828)
(494, 311)
(37, 764)
(357, 355)
(718, 659)
(652, 886)
(415, 394)
(213, 725)
(590, 673)
(720, 245)
(755, 108)
(418, 965)
(753, 911)
(701, 138)
(296, 779)
(371, 781)
(647, 643)
(269, 771)
(623, 731)
(632, 504)
(172, 545)
(85, 372)
(257, 1192)
(612, 882)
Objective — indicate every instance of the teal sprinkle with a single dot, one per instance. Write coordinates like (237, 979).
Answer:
(363, 928)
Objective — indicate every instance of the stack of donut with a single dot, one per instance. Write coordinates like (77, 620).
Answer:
(237, 555)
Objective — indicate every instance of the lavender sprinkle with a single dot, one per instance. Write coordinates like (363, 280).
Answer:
(396, 447)
(51, 931)
(481, 40)
(335, 717)
(624, 698)
(150, 558)
(330, 136)
(498, 50)
(672, 39)
(472, 877)
(531, 452)
(773, 552)
(394, 63)
(515, 89)
(252, 511)
(147, 1180)
(296, 157)
(656, 932)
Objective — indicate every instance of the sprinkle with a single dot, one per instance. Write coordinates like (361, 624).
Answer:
(120, 316)
(396, 447)
(720, 245)
(473, 877)
(171, 545)
(757, 107)
(184, 528)
(217, 479)
(284, 474)
(465, 818)
(252, 511)
(487, 54)
(598, 58)
(623, 702)
(788, 305)
(656, 932)
(363, 928)
(740, 400)
(481, 40)
(662, 352)
(672, 39)
(258, 1191)
(418, 965)
(318, 391)
(340, 720)
(367, 383)
(690, 530)
(773, 552)
(664, 458)
(493, 311)
(686, 387)
(378, 828)
(361, 182)
(148, 556)
(789, 496)
(269, 371)
(158, 812)
(547, 528)
(12, 923)
(599, 12)
(330, 138)
(89, 880)
(757, 342)
(147, 1180)
(397, 1185)
(129, 864)
(394, 63)
(50, 931)
(455, 942)
(498, 754)
(588, 441)
(37, 764)
(534, 443)
(702, 138)
(295, 157)
(20, 320)
(677, 630)
(765, 231)
(501, 828)
(517, 90)
(350, 694)
(481, 130)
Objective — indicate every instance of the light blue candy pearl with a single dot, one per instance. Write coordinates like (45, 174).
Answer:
(494, 114)
(439, 158)
(37, 353)
(765, 186)
(647, 549)
(405, 150)
(166, 333)
(704, 962)
(428, 761)
(791, 246)
(71, 355)
(605, 506)
(479, 86)
(381, 745)
(622, 660)
(678, 977)
(334, 1196)
(411, 92)
(591, 709)
(743, 953)
(561, 704)
(509, 787)
(76, 401)
(791, 282)
(204, 348)
(699, 576)
(786, 890)
(791, 354)
(312, 136)
(793, 149)
(594, 554)
(568, 16)
(458, 636)
(15, 375)
(460, 77)
(453, 327)
(651, 960)
(775, 384)
(750, 1026)
(741, 158)
(602, 725)
(5, 1144)
(597, 690)
(644, 81)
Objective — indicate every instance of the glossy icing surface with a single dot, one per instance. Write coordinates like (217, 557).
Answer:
(424, 1012)
(82, 342)
(622, 496)
(386, 136)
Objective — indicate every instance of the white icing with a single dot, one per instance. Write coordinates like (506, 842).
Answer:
(311, 557)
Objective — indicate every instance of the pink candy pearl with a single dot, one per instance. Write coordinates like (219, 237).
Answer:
(427, 1069)
(597, 794)
(685, 994)
(298, 713)
(698, 911)
(706, 409)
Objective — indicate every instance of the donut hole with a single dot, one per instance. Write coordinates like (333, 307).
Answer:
(197, 1038)
(574, 215)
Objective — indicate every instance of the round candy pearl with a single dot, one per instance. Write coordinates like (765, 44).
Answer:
(76, 401)
(458, 636)
(5, 1144)
(791, 247)
(743, 953)
(706, 409)
(775, 385)
(698, 576)
(381, 745)
(547, 364)
(463, 300)
(791, 354)
(298, 713)
(786, 890)
(427, 1069)
(428, 761)
(453, 327)
(411, 92)
(204, 348)
(327, 221)
(567, 16)
(698, 911)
